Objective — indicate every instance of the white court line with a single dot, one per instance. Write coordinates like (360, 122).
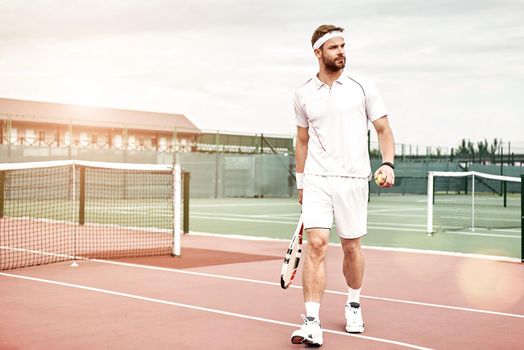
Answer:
(226, 218)
(506, 230)
(223, 218)
(403, 250)
(479, 229)
(296, 214)
(205, 309)
(239, 279)
(488, 218)
(268, 239)
(261, 216)
(292, 216)
(443, 217)
(242, 205)
(395, 210)
(39, 252)
(399, 214)
(480, 234)
(293, 223)
(445, 232)
(398, 227)
(389, 249)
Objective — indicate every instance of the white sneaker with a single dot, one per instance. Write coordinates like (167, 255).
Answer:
(354, 322)
(310, 333)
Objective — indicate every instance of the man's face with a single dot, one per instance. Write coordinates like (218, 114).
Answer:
(333, 54)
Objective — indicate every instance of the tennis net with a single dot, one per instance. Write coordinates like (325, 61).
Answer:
(471, 200)
(475, 201)
(67, 210)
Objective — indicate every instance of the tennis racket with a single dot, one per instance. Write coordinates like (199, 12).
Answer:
(290, 265)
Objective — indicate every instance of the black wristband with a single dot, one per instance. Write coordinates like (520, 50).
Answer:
(389, 164)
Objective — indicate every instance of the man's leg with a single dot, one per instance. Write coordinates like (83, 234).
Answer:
(353, 266)
(353, 269)
(314, 272)
(314, 284)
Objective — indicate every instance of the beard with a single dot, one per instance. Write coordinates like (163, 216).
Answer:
(335, 64)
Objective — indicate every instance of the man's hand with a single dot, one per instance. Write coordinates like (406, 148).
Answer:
(300, 193)
(387, 174)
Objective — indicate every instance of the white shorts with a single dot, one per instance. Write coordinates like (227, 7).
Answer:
(344, 197)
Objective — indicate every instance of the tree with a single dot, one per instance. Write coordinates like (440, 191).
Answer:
(482, 149)
(462, 149)
(494, 147)
(471, 149)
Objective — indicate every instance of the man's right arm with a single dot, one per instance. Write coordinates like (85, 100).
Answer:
(300, 157)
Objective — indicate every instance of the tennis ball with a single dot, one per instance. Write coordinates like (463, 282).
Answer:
(379, 180)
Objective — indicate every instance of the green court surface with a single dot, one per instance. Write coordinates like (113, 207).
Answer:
(394, 221)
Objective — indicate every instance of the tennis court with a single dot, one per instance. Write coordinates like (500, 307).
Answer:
(395, 221)
(223, 291)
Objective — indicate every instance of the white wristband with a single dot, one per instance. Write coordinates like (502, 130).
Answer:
(300, 181)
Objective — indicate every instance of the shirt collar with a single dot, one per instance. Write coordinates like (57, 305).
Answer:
(341, 80)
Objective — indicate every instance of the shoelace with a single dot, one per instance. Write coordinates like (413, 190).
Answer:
(354, 311)
(308, 323)
(352, 308)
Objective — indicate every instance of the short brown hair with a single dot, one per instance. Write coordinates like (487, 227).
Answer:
(322, 30)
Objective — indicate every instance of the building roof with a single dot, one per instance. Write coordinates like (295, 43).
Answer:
(58, 113)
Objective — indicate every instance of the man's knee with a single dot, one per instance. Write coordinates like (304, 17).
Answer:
(317, 247)
(351, 247)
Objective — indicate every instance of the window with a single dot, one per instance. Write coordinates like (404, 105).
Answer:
(30, 136)
(131, 141)
(117, 141)
(94, 139)
(162, 143)
(84, 139)
(14, 135)
(41, 136)
(67, 138)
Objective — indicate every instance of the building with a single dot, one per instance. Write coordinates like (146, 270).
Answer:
(44, 124)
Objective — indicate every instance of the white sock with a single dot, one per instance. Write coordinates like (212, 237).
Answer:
(312, 309)
(353, 295)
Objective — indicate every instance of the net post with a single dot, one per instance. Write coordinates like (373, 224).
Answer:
(473, 202)
(2, 190)
(176, 206)
(186, 177)
(433, 191)
(82, 196)
(505, 193)
(429, 222)
(75, 230)
(522, 218)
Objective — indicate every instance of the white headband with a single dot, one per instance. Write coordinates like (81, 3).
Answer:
(326, 37)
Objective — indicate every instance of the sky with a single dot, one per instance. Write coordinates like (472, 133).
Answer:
(446, 69)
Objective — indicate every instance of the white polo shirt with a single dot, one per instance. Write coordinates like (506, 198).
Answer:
(337, 119)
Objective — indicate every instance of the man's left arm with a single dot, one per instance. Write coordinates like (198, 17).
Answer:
(387, 150)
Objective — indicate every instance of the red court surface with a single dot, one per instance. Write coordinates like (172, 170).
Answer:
(224, 293)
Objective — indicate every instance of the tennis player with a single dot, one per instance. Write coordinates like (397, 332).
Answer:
(333, 170)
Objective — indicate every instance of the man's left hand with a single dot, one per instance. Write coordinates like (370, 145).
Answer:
(387, 174)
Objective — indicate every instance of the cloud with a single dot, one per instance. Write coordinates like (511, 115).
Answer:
(235, 64)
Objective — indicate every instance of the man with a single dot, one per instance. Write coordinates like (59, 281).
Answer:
(333, 169)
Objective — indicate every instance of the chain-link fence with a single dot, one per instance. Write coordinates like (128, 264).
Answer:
(219, 175)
